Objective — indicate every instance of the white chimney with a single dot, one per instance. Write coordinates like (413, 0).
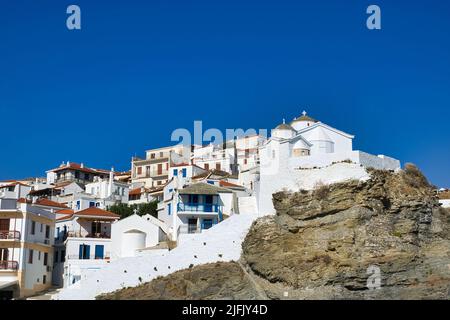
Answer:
(82, 165)
(111, 179)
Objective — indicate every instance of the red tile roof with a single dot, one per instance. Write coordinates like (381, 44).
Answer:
(65, 217)
(65, 211)
(13, 184)
(135, 192)
(49, 203)
(68, 213)
(96, 212)
(78, 167)
(228, 184)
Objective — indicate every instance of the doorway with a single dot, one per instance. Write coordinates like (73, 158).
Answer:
(192, 225)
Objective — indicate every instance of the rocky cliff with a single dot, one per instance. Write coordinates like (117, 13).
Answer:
(384, 238)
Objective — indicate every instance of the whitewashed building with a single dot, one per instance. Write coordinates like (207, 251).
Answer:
(217, 157)
(14, 190)
(153, 171)
(307, 152)
(196, 207)
(108, 191)
(136, 235)
(82, 243)
(26, 248)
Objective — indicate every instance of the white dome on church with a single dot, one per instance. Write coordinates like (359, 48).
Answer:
(283, 131)
(302, 122)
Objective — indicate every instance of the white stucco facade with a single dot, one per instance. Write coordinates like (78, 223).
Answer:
(134, 233)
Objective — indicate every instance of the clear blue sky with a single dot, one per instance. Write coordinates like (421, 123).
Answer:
(139, 69)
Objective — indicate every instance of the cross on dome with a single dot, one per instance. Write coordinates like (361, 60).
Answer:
(284, 121)
(304, 113)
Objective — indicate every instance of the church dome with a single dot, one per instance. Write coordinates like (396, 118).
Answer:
(303, 121)
(284, 126)
(284, 131)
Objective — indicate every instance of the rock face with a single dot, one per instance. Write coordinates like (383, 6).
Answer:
(330, 243)
(384, 238)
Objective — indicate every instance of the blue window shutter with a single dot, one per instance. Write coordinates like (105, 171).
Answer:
(175, 172)
(88, 252)
(99, 251)
(184, 172)
(169, 209)
(80, 254)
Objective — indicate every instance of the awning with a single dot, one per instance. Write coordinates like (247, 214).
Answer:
(6, 284)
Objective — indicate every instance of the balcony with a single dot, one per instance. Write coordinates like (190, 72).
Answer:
(9, 265)
(199, 207)
(106, 256)
(103, 235)
(9, 235)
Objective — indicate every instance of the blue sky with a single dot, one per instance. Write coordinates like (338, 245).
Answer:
(140, 69)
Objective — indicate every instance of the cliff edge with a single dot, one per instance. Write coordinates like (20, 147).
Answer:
(384, 238)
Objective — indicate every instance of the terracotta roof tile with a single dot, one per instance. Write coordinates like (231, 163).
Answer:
(96, 212)
(49, 203)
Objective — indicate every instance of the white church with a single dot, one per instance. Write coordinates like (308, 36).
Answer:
(307, 152)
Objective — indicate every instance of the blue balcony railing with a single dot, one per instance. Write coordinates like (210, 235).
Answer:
(199, 207)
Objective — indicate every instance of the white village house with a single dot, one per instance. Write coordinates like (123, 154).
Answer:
(26, 248)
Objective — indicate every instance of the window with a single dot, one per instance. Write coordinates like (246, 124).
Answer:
(161, 154)
(44, 279)
(96, 227)
(207, 223)
(175, 172)
(56, 257)
(91, 204)
(39, 255)
(42, 225)
(57, 233)
(45, 258)
(30, 256)
(169, 209)
(147, 170)
(99, 251)
(139, 170)
(206, 166)
(4, 224)
(193, 198)
(63, 255)
(245, 161)
(78, 204)
(84, 252)
(33, 227)
(218, 166)
(184, 172)
(47, 232)
(86, 176)
(152, 156)
(77, 175)
(159, 168)
(158, 183)
(4, 254)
